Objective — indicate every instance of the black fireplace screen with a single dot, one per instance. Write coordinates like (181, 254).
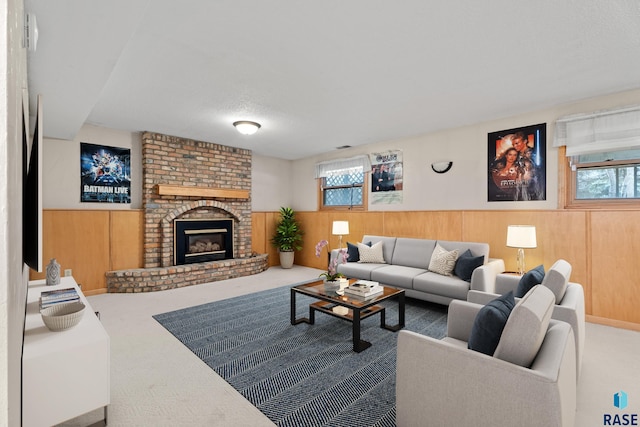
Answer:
(202, 240)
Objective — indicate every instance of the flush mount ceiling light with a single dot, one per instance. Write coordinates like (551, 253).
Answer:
(246, 127)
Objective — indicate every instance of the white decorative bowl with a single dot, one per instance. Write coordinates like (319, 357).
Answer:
(62, 316)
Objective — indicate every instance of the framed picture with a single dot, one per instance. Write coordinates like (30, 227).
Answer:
(517, 167)
(105, 174)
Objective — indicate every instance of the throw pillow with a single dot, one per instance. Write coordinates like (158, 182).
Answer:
(371, 254)
(489, 324)
(466, 264)
(353, 255)
(529, 280)
(443, 261)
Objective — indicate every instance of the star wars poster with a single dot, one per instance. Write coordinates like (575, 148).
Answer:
(386, 177)
(105, 174)
(517, 164)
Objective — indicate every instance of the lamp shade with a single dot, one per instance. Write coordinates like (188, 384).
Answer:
(521, 236)
(340, 228)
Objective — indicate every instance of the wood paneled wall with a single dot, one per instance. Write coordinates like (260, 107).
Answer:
(600, 245)
(90, 243)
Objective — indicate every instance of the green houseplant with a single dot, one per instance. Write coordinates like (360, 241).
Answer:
(287, 237)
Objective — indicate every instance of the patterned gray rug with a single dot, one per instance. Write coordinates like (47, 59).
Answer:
(303, 375)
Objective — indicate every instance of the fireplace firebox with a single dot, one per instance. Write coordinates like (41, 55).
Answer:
(197, 240)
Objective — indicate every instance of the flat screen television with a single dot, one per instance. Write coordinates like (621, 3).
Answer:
(32, 250)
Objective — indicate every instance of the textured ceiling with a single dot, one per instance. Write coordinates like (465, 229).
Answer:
(322, 74)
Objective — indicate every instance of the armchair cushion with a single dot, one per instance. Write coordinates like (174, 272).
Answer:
(489, 323)
(557, 278)
(526, 327)
(465, 265)
(529, 280)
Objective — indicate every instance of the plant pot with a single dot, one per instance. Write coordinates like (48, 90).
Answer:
(286, 259)
(332, 285)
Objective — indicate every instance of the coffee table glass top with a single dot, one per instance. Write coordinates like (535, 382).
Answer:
(317, 288)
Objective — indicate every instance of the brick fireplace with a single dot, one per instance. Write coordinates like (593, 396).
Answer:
(183, 181)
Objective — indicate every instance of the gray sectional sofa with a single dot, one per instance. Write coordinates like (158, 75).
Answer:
(406, 266)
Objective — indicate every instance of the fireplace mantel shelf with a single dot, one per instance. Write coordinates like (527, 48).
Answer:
(179, 190)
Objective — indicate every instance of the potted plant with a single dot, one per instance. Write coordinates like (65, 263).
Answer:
(332, 279)
(287, 237)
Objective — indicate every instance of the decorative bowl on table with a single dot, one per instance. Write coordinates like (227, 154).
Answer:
(62, 316)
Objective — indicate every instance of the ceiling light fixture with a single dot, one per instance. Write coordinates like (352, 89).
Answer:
(246, 127)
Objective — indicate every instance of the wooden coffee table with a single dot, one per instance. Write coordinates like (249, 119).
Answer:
(346, 307)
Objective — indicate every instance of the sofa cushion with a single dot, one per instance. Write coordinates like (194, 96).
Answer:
(388, 245)
(465, 265)
(526, 327)
(371, 254)
(399, 276)
(443, 261)
(529, 280)
(413, 252)
(557, 278)
(353, 255)
(446, 286)
(358, 270)
(489, 323)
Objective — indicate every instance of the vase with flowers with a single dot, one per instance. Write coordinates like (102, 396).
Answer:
(332, 279)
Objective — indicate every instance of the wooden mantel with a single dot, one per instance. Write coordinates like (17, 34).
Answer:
(180, 190)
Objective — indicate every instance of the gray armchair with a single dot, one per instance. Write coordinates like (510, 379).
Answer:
(529, 381)
(569, 300)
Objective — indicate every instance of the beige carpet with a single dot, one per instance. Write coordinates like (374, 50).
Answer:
(156, 381)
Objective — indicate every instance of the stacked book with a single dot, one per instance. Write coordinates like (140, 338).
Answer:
(364, 289)
(57, 296)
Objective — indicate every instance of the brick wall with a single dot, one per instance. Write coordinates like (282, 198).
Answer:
(179, 161)
(185, 162)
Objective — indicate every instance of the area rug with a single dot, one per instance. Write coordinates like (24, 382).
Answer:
(302, 375)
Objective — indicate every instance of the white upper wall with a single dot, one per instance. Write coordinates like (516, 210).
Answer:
(465, 185)
(278, 182)
(61, 169)
(270, 183)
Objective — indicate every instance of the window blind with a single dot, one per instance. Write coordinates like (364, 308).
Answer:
(607, 130)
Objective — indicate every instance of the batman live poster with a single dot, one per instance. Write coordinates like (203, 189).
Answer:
(105, 174)
(386, 177)
(517, 164)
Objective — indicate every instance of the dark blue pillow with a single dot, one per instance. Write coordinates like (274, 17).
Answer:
(529, 280)
(353, 254)
(466, 263)
(489, 323)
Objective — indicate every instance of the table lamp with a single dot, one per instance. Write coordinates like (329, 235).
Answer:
(340, 228)
(521, 237)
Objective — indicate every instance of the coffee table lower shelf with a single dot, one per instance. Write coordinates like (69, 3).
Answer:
(353, 315)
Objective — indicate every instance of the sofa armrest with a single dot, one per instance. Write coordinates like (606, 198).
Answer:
(460, 318)
(482, 298)
(571, 310)
(506, 283)
(335, 254)
(484, 277)
(434, 377)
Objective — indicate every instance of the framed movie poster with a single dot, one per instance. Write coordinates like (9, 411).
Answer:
(386, 177)
(517, 166)
(105, 174)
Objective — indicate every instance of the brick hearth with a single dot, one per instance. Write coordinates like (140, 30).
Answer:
(173, 161)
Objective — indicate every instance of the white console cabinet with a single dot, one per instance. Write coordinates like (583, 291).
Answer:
(66, 373)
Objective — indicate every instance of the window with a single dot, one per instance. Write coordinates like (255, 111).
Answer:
(604, 157)
(606, 176)
(342, 184)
